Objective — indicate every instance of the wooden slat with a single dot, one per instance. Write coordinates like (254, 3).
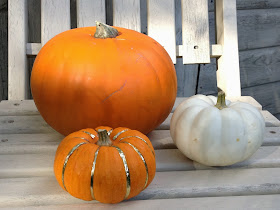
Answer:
(161, 24)
(228, 75)
(27, 107)
(175, 184)
(195, 32)
(55, 18)
(89, 11)
(29, 165)
(126, 14)
(36, 124)
(33, 48)
(18, 80)
(228, 202)
(48, 142)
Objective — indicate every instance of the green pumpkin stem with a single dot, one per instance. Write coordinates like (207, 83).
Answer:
(104, 139)
(104, 31)
(221, 101)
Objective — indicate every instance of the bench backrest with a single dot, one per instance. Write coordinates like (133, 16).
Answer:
(195, 48)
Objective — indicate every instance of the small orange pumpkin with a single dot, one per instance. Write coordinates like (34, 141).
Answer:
(105, 164)
(86, 77)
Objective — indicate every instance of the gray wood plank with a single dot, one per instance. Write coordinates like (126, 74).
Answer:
(162, 13)
(259, 66)
(17, 60)
(89, 11)
(55, 18)
(258, 28)
(48, 142)
(250, 4)
(29, 165)
(176, 184)
(229, 203)
(186, 78)
(36, 124)
(195, 32)
(266, 94)
(126, 14)
(27, 107)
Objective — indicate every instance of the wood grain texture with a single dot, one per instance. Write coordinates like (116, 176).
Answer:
(36, 124)
(126, 13)
(267, 94)
(227, 202)
(48, 142)
(89, 11)
(259, 66)
(176, 184)
(55, 18)
(186, 78)
(17, 59)
(161, 24)
(258, 28)
(250, 4)
(195, 32)
(228, 76)
(31, 165)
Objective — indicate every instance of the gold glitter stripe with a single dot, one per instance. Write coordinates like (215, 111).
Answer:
(122, 155)
(119, 133)
(143, 159)
(92, 173)
(66, 161)
(109, 132)
(91, 135)
(140, 139)
(82, 138)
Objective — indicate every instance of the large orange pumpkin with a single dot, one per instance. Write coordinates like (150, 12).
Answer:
(106, 168)
(79, 80)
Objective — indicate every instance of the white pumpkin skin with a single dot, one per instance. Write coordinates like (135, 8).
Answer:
(216, 137)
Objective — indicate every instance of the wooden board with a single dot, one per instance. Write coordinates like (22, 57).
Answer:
(228, 76)
(174, 184)
(47, 142)
(267, 94)
(55, 17)
(29, 165)
(36, 124)
(89, 11)
(27, 107)
(251, 4)
(17, 38)
(126, 14)
(227, 202)
(195, 32)
(259, 66)
(161, 24)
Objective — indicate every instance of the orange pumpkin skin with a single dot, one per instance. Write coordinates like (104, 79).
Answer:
(74, 164)
(79, 81)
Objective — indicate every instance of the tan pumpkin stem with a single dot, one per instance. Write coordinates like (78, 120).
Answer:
(104, 31)
(104, 139)
(221, 101)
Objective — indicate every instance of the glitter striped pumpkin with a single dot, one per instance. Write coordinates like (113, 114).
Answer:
(105, 164)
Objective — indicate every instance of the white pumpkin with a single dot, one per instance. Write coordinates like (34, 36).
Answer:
(217, 136)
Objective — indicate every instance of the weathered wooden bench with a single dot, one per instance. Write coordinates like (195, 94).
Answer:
(28, 144)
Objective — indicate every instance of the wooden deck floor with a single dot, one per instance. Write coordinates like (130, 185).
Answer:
(28, 145)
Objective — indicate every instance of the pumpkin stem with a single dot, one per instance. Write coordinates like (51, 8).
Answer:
(221, 101)
(104, 31)
(104, 139)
